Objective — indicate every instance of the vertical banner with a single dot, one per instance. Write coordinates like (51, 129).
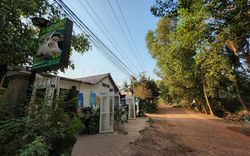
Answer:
(54, 46)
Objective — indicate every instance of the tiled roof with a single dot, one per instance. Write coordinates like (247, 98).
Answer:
(93, 79)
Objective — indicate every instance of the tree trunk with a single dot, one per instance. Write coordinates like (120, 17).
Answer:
(201, 106)
(238, 91)
(207, 101)
(239, 96)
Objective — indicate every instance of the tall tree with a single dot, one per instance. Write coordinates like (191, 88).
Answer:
(190, 53)
(173, 45)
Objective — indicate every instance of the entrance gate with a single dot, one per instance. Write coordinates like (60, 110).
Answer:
(130, 101)
(107, 103)
(48, 85)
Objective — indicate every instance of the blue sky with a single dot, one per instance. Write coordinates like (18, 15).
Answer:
(139, 20)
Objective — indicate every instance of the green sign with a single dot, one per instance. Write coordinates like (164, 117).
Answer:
(54, 46)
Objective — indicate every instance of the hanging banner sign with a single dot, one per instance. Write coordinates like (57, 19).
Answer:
(54, 46)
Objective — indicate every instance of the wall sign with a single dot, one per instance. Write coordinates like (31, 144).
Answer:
(54, 46)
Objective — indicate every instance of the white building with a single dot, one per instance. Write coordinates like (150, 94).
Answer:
(89, 88)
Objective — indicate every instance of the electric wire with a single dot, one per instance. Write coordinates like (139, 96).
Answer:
(130, 34)
(95, 40)
(92, 39)
(107, 34)
(124, 34)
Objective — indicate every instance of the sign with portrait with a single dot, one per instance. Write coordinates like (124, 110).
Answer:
(54, 46)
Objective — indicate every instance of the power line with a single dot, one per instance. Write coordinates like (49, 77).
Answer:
(95, 40)
(112, 57)
(120, 25)
(129, 31)
(129, 61)
(108, 34)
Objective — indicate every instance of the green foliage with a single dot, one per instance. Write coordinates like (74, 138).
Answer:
(17, 37)
(214, 76)
(18, 42)
(164, 92)
(90, 118)
(75, 126)
(145, 88)
(163, 8)
(46, 129)
(11, 132)
(120, 114)
(194, 46)
(169, 8)
(80, 43)
(244, 83)
(218, 108)
(148, 106)
(174, 44)
(38, 147)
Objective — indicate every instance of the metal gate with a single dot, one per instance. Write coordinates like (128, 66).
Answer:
(130, 101)
(107, 103)
(49, 84)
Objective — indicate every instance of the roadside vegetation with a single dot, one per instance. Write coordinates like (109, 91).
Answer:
(202, 53)
(146, 90)
(46, 126)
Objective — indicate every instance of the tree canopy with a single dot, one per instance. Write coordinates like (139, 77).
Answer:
(18, 40)
(145, 88)
(198, 47)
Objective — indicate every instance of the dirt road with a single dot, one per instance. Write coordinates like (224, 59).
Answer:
(179, 132)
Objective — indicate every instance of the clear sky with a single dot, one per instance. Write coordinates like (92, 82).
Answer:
(139, 20)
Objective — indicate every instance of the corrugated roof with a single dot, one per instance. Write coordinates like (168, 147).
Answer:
(93, 79)
(97, 78)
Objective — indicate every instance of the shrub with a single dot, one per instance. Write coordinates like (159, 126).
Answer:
(37, 147)
(148, 106)
(75, 126)
(218, 108)
(11, 132)
(90, 118)
(46, 129)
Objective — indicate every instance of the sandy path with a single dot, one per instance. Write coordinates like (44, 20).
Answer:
(179, 132)
(110, 144)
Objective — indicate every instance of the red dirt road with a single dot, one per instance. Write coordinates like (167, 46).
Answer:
(180, 132)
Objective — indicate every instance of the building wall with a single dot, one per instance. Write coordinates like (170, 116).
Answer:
(98, 88)
(86, 89)
(67, 84)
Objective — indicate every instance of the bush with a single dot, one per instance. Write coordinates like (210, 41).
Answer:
(11, 132)
(149, 107)
(90, 118)
(46, 129)
(75, 126)
(218, 108)
(37, 147)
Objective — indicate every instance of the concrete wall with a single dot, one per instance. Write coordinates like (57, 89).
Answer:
(16, 93)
